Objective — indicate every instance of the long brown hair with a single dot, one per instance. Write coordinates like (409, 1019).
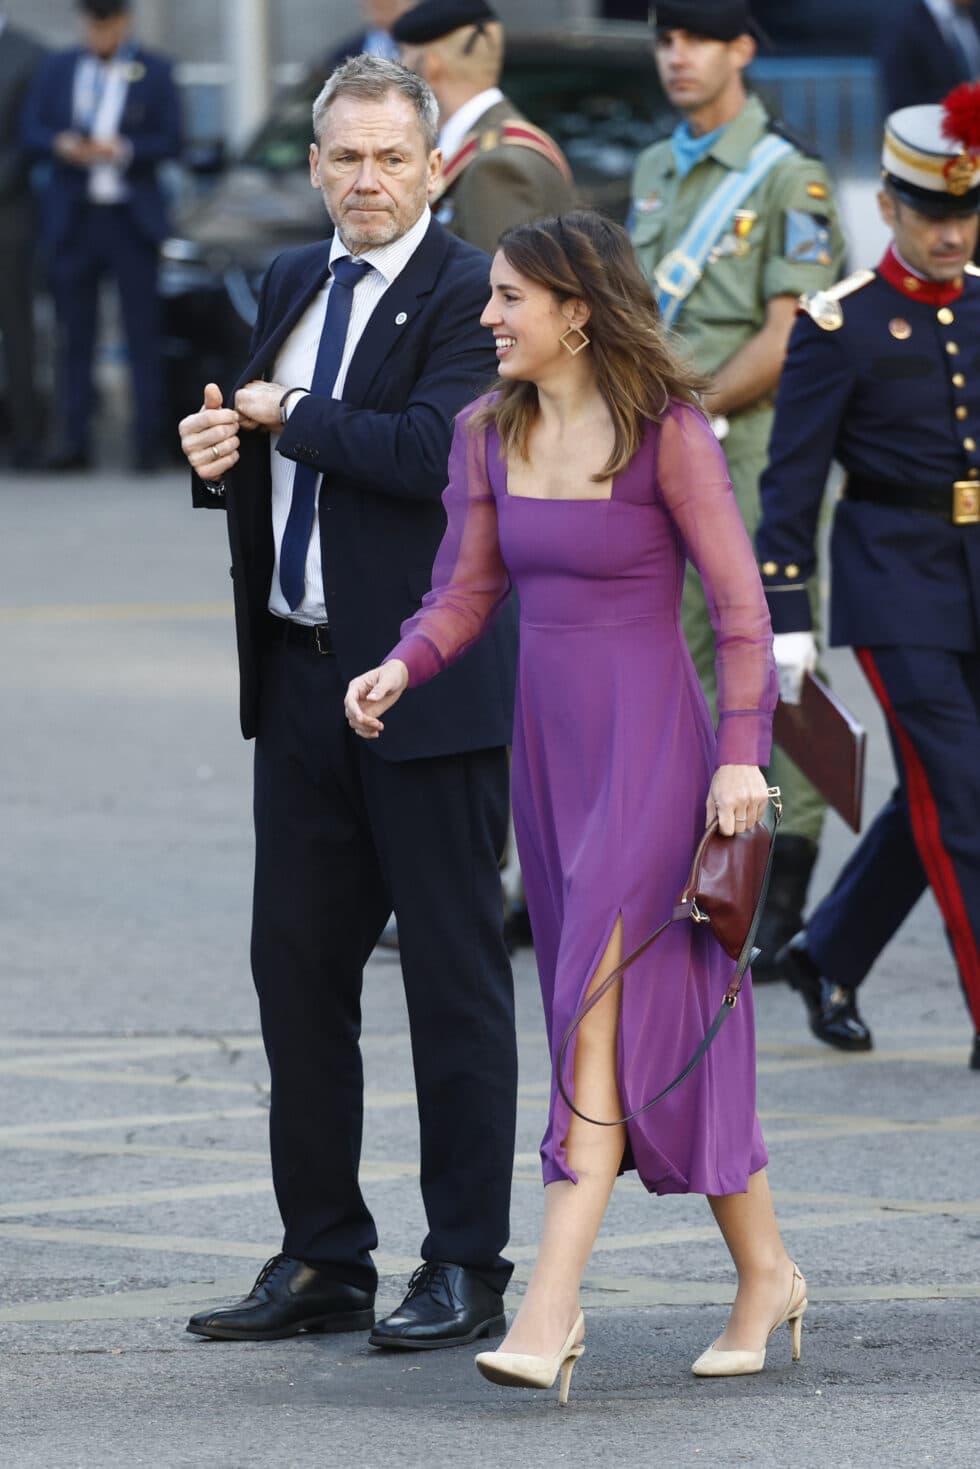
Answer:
(582, 255)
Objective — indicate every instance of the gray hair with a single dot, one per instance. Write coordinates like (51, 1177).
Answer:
(372, 78)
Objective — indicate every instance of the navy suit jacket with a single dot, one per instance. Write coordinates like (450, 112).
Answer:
(383, 450)
(150, 123)
(894, 396)
(917, 63)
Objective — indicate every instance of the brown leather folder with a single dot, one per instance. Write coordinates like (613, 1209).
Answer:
(824, 739)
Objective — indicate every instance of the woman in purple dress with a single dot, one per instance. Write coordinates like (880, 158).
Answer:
(584, 481)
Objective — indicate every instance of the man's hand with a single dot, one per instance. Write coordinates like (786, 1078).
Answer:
(258, 405)
(72, 147)
(738, 797)
(209, 439)
(373, 693)
(796, 656)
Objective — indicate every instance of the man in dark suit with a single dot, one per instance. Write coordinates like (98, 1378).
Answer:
(103, 117)
(375, 39)
(20, 56)
(925, 48)
(331, 465)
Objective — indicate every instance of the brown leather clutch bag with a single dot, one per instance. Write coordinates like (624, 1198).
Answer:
(725, 888)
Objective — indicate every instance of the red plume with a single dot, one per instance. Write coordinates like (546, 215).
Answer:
(961, 116)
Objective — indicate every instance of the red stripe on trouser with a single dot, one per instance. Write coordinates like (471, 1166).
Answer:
(936, 860)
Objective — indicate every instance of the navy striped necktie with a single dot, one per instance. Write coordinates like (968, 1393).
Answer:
(345, 274)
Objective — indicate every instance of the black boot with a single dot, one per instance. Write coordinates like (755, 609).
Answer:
(834, 1018)
(782, 916)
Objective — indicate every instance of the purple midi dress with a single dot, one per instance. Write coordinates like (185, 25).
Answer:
(614, 751)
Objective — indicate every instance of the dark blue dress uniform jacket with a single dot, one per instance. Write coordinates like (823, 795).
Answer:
(893, 394)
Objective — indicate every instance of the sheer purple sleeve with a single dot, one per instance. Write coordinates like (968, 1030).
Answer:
(696, 490)
(470, 582)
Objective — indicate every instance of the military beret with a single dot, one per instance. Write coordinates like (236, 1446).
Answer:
(436, 18)
(722, 20)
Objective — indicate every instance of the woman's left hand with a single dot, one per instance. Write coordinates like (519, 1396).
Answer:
(738, 797)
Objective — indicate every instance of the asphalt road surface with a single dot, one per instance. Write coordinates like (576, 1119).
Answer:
(135, 1182)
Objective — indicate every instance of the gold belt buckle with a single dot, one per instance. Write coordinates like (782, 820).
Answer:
(966, 502)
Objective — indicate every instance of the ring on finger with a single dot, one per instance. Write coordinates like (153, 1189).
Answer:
(215, 452)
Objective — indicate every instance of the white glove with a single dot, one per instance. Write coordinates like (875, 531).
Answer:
(796, 655)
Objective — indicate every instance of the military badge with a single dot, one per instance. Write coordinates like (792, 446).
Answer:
(816, 190)
(648, 205)
(807, 238)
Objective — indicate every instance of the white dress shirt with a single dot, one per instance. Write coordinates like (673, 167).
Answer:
(294, 367)
(465, 119)
(98, 101)
(957, 25)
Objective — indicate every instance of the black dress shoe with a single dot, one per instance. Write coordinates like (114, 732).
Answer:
(834, 1018)
(975, 1055)
(446, 1306)
(288, 1297)
(68, 461)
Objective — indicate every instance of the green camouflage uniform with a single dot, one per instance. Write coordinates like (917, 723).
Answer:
(769, 248)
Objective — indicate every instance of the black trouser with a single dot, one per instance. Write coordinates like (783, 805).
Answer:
(17, 336)
(929, 830)
(342, 838)
(106, 242)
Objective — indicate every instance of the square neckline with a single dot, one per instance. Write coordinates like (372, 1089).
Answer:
(547, 499)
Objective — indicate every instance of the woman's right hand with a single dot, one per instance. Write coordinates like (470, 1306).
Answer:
(372, 694)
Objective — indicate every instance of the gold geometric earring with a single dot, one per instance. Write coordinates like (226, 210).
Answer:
(581, 344)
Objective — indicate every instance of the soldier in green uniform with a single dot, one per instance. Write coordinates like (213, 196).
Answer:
(498, 169)
(731, 221)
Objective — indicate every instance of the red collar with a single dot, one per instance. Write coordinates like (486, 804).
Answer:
(930, 293)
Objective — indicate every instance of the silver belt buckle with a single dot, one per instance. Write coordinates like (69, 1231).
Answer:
(317, 630)
(692, 274)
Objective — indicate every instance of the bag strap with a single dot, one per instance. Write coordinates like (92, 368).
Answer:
(686, 908)
(680, 270)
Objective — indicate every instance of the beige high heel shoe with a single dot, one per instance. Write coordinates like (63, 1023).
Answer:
(713, 1363)
(520, 1369)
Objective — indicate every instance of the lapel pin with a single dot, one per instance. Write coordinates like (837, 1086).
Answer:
(401, 318)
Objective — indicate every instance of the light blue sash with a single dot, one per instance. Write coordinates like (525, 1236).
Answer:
(679, 271)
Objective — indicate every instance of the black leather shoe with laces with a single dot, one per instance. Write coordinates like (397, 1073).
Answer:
(288, 1297)
(445, 1306)
(834, 1017)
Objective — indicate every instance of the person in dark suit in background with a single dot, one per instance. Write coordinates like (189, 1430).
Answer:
(375, 39)
(332, 474)
(103, 116)
(20, 56)
(925, 48)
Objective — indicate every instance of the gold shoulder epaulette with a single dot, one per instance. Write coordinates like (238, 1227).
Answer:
(850, 284)
(824, 307)
(972, 269)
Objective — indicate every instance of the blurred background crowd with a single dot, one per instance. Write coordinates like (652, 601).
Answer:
(231, 160)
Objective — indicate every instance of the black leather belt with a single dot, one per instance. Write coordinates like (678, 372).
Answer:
(958, 502)
(316, 639)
